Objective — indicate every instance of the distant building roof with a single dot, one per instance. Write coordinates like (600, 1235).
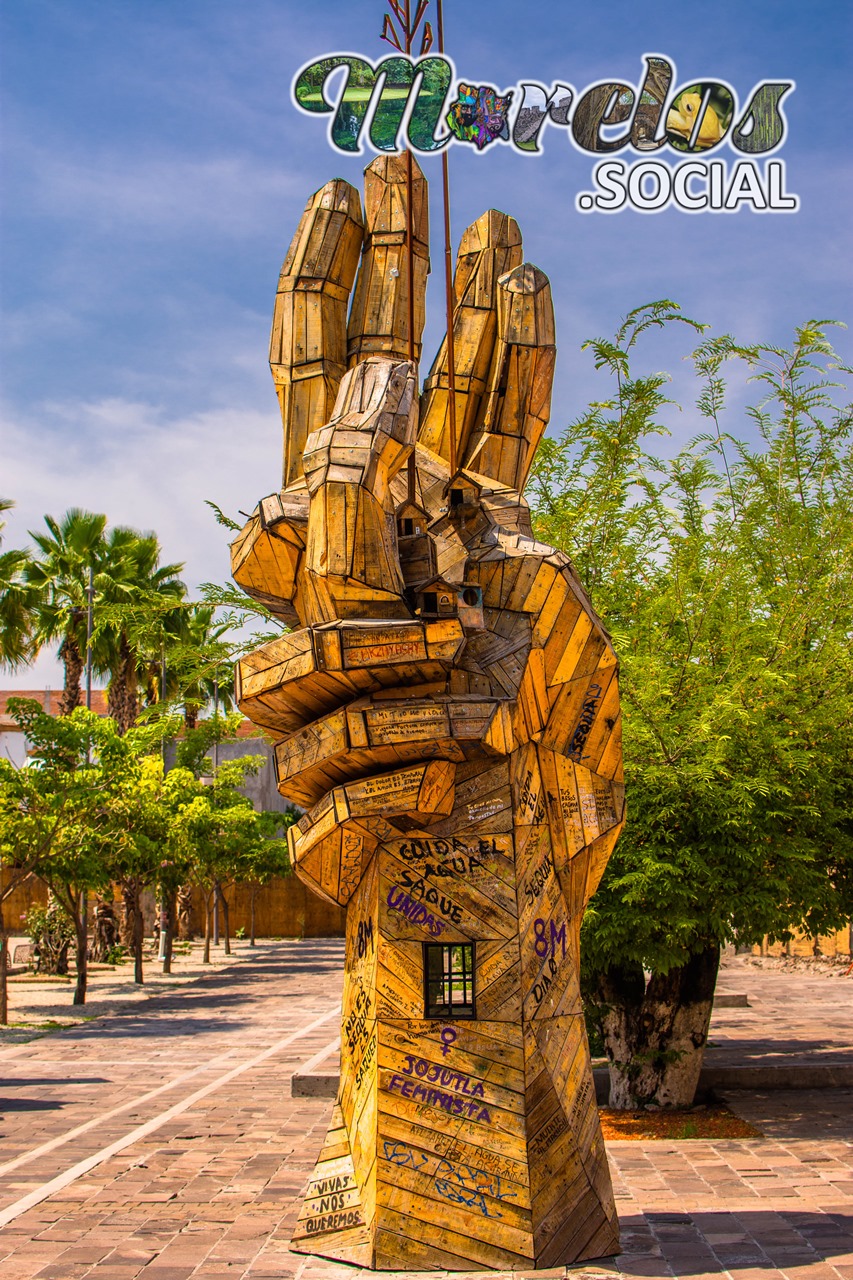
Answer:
(48, 700)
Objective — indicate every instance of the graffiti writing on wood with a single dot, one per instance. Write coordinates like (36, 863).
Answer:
(414, 912)
(577, 742)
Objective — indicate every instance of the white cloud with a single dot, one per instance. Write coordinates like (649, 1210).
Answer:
(111, 190)
(143, 467)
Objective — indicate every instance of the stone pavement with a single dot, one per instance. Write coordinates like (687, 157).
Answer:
(164, 1144)
(794, 1017)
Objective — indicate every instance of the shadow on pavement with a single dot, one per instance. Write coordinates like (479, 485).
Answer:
(51, 1082)
(797, 1113)
(222, 991)
(747, 1240)
(28, 1104)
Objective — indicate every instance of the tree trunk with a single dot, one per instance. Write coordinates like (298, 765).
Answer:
(226, 920)
(252, 915)
(81, 936)
(69, 654)
(127, 926)
(138, 935)
(104, 932)
(216, 913)
(122, 699)
(207, 910)
(4, 962)
(655, 1032)
(190, 715)
(169, 904)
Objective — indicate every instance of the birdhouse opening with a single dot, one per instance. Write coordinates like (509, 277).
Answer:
(457, 497)
(471, 607)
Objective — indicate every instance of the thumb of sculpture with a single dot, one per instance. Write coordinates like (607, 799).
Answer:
(351, 559)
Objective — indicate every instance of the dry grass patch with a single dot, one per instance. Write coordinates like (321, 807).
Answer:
(715, 1121)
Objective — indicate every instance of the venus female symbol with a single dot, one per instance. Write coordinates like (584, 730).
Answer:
(448, 715)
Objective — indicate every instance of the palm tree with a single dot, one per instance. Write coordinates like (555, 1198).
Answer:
(202, 663)
(59, 581)
(16, 604)
(139, 597)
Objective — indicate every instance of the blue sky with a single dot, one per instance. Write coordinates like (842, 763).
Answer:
(155, 169)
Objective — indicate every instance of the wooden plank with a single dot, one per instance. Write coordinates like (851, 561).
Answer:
(456, 1198)
(472, 902)
(498, 981)
(379, 316)
(310, 314)
(456, 1149)
(448, 1085)
(419, 1237)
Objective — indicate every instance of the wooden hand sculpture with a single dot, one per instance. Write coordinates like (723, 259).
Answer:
(449, 718)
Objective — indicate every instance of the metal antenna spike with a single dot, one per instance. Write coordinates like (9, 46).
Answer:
(389, 34)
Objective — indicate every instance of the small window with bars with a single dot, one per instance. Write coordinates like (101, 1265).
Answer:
(449, 980)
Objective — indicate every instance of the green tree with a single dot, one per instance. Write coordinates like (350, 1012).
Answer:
(59, 812)
(60, 579)
(147, 849)
(267, 857)
(16, 604)
(199, 660)
(138, 605)
(725, 574)
(225, 838)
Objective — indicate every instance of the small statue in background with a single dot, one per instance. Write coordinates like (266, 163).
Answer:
(104, 932)
(184, 910)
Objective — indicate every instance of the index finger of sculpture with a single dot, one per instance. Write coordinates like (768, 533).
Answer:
(308, 349)
(379, 318)
(351, 561)
(307, 361)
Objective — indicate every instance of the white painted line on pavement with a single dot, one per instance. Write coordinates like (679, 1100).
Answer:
(97, 1121)
(116, 1111)
(142, 1131)
(308, 1067)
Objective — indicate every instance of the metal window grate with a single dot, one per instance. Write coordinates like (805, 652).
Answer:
(449, 980)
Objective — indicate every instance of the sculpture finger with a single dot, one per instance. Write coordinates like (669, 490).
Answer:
(351, 561)
(379, 321)
(308, 339)
(266, 555)
(489, 248)
(517, 405)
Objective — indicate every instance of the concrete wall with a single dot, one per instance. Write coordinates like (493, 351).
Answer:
(260, 789)
(833, 944)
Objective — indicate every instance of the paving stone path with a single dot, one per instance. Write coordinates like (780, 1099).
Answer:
(164, 1144)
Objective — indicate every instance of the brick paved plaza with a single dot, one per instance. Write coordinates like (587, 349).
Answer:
(164, 1143)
